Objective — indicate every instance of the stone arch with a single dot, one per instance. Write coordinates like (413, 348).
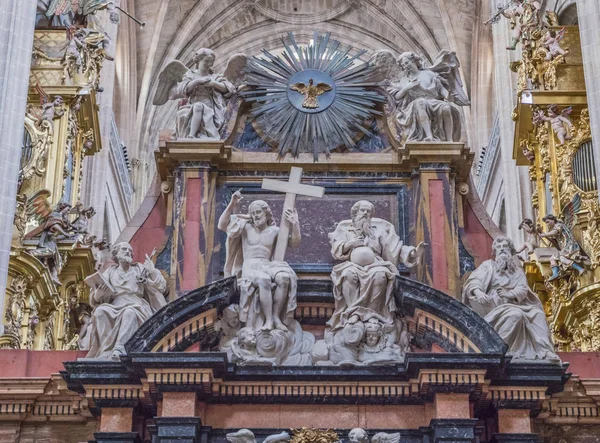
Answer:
(438, 319)
(150, 120)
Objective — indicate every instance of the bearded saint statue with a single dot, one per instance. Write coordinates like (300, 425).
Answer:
(128, 295)
(370, 250)
(497, 290)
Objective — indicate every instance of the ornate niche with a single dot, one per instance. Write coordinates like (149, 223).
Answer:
(61, 129)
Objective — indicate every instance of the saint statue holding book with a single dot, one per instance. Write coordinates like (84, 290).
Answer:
(125, 295)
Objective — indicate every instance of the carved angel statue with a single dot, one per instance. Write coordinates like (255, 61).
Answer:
(202, 94)
(523, 15)
(310, 92)
(552, 44)
(49, 109)
(424, 99)
(67, 13)
(384, 437)
(53, 223)
(247, 436)
(560, 122)
(82, 220)
(560, 233)
(359, 435)
(532, 238)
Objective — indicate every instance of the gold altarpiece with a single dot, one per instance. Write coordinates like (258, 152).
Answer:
(61, 129)
(560, 172)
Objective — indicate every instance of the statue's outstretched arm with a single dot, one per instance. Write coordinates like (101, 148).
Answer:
(225, 218)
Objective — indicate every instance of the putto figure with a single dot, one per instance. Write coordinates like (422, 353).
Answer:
(424, 99)
(202, 94)
(67, 13)
(370, 251)
(552, 44)
(497, 290)
(125, 295)
(267, 287)
(569, 254)
(523, 15)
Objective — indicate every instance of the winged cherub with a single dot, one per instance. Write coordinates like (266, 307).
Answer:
(310, 92)
(560, 233)
(423, 99)
(202, 94)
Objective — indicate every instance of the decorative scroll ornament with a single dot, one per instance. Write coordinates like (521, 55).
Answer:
(15, 310)
(311, 435)
(36, 144)
(311, 98)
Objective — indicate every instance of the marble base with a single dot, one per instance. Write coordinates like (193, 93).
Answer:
(178, 429)
(516, 438)
(454, 430)
(117, 437)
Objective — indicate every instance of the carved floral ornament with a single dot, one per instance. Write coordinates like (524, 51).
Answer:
(312, 435)
(37, 143)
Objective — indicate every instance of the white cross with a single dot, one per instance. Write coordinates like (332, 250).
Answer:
(291, 188)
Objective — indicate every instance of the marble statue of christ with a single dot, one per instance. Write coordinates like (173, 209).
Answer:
(267, 286)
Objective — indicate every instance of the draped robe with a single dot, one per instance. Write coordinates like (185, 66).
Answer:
(520, 321)
(115, 321)
(366, 298)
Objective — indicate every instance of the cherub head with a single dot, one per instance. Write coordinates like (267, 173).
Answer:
(246, 338)
(552, 110)
(373, 332)
(358, 435)
(231, 316)
(526, 224)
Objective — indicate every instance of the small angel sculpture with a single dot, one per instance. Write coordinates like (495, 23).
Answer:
(424, 98)
(53, 223)
(202, 94)
(560, 122)
(560, 233)
(532, 238)
(49, 109)
(359, 435)
(247, 436)
(82, 220)
(552, 44)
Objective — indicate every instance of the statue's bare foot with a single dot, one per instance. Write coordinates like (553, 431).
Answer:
(279, 325)
(267, 326)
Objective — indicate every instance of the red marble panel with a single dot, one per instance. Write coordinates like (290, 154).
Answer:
(179, 404)
(475, 238)
(191, 234)
(438, 247)
(582, 364)
(116, 420)
(514, 421)
(152, 234)
(24, 363)
(452, 406)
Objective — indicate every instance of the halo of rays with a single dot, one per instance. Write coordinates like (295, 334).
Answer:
(297, 131)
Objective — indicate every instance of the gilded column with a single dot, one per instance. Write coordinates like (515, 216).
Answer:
(17, 22)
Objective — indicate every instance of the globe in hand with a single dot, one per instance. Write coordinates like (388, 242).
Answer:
(362, 256)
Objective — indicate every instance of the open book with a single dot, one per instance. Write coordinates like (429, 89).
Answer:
(96, 280)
